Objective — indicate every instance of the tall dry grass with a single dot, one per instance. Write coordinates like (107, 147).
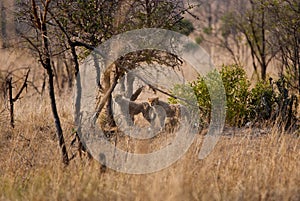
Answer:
(243, 166)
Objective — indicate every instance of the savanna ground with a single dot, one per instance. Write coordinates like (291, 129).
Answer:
(246, 164)
(256, 163)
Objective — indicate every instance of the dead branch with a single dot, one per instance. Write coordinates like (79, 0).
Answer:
(22, 88)
(13, 100)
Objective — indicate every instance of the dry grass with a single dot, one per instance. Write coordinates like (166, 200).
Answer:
(243, 167)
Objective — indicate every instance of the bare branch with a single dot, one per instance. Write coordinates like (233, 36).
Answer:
(22, 88)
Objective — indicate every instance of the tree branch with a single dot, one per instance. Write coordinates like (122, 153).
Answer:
(22, 88)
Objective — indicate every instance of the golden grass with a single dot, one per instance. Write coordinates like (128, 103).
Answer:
(241, 167)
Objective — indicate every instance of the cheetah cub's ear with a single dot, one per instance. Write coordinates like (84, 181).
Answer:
(153, 101)
(118, 98)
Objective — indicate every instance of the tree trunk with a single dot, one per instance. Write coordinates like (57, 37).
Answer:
(59, 131)
(11, 102)
(263, 52)
(47, 65)
(263, 72)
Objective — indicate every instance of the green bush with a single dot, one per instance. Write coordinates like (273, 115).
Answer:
(203, 97)
(236, 89)
(237, 93)
(261, 101)
(185, 96)
(267, 100)
(185, 92)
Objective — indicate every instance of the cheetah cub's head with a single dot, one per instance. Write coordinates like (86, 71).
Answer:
(118, 98)
(153, 101)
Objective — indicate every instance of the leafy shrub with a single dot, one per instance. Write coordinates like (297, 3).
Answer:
(267, 100)
(203, 97)
(237, 92)
(236, 89)
(196, 95)
(261, 101)
(185, 96)
(185, 92)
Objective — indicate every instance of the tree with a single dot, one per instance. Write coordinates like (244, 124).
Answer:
(75, 27)
(271, 30)
(36, 15)
(251, 21)
(286, 36)
(89, 23)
